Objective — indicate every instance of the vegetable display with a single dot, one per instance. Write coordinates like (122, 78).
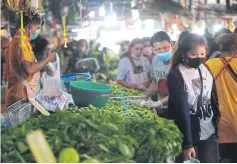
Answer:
(126, 91)
(99, 135)
(105, 135)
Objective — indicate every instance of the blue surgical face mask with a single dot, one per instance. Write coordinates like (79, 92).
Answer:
(35, 35)
(164, 57)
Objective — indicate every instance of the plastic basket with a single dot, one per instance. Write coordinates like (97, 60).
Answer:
(83, 100)
(20, 111)
(67, 79)
(89, 87)
(5, 121)
(85, 93)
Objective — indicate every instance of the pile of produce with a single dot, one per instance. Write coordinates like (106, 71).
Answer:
(126, 91)
(100, 135)
(117, 108)
(96, 135)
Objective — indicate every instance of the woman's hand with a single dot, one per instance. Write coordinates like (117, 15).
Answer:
(189, 153)
(51, 57)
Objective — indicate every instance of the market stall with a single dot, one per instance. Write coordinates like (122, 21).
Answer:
(108, 134)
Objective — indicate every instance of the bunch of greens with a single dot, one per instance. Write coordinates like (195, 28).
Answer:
(113, 67)
(100, 135)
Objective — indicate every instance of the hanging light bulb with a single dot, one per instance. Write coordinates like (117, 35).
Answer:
(102, 11)
(111, 16)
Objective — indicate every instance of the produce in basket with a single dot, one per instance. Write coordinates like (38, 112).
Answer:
(98, 135)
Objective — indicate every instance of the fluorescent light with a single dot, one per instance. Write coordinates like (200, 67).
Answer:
(75, 30)
(135, 14)
(102, 11)
(92, 14)
(111, 18)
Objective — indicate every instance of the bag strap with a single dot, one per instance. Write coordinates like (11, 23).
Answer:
(200, 96)
(132, 62)
(230, 69)
(225, 63)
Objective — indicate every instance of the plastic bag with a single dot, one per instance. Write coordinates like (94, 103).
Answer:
(193, 160)
(54, 94)
(51, 104)
(51, 80)
(87, 65)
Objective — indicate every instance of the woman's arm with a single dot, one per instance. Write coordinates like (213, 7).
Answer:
(122, 73)
(180, 109)
(31, 68)
(124, 84)
(151, 90)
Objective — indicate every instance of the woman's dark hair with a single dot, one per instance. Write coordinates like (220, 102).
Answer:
(39, 46)
(131, 45)
(186, 44)
(181, 36)
(159, 37)
(222, 31)
(227, 42)
(40, 43)
(81, 41)
(216, 47)
(31, 18)
(134, 42)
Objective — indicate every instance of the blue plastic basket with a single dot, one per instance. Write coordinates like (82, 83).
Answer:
(67, 79)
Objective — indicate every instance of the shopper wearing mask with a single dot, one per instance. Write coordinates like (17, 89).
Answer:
(134, 69)
(224, 70)
(161, 44)
(192, 100)
(148, 50)
(23, 72)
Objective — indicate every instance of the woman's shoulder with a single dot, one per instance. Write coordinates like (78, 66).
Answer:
(146, 60)
(174, 72)
(124, 59)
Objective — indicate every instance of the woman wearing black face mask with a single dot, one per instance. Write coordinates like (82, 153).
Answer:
(192, 103)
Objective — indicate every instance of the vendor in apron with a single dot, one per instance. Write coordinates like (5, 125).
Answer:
(134, 69)
(157, 90)
(23, 71)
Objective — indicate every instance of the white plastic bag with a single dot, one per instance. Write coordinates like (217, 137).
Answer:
(51, 104)
(51, 81)
(53, 94)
